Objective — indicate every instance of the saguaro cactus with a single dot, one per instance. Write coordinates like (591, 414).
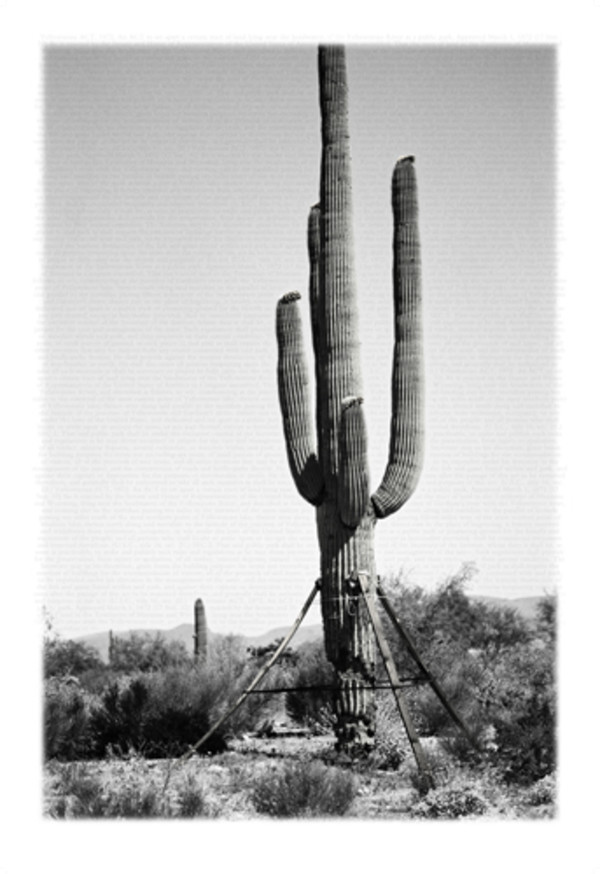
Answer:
(200, 635)
(333, 475)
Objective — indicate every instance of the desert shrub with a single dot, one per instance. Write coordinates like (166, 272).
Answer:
(159, 714)
(79, 794)
(62, 658)
(304, 789)
(96, 680)
(144, 652)
(459, 683)
(391, 747)
(519, 701)
(69, 658)
(180, 709)
(117, 722)
(164, 712)
(541, 792)
(131, 802)
(451, 802)
(66, 720)
(446, 624)
(312, 670)
(495, 667)
(191, 798)
(135, 793)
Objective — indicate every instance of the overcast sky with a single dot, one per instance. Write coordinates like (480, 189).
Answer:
(177, 187)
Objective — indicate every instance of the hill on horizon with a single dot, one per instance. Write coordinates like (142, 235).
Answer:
(185, 634)
(526, 606)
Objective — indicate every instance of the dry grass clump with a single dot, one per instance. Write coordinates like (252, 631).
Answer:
(128, 790)
(304, 789)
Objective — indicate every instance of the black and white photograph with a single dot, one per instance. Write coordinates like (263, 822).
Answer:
(300, 394)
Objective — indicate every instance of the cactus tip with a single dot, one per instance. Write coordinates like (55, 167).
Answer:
(351, 401)
(404, 159)
(290, 297)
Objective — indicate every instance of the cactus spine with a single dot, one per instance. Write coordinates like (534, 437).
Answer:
(333, 475)
(200, 635)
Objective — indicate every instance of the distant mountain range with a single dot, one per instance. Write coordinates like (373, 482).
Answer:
(306, 633)
(527, 607)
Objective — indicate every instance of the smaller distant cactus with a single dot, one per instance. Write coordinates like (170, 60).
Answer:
(200, 635)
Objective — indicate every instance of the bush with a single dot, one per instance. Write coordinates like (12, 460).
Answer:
(192, 800)
(446, 625)
(139, 794)
(116, 724)
(541, 792)
(459, 682)
(392, 746)
(496, 668)
(162, 708)
(69, 658)
(145, 652)
(157, 713)
(304, 789)
(66, 720)
(449, 802)
(180, 710)
(164, 713)
(519, 700)
(78, 794)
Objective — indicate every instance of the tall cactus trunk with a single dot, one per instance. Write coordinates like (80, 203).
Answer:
(346, 543)
(334, 476)
(200, 633)
(349, 639)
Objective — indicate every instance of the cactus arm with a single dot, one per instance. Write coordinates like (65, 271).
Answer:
(406, 432)
(338, 365)
(353, 484)
(294, 402)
